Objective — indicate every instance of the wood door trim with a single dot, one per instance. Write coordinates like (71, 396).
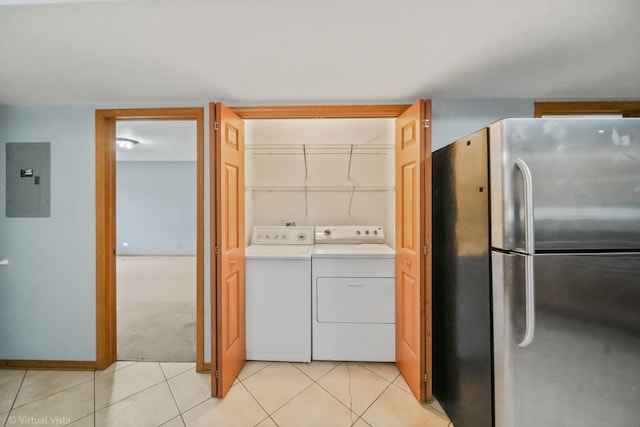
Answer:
(426, 221)
(106, 228)
(321, 111)
(626, 108)
(213, 252)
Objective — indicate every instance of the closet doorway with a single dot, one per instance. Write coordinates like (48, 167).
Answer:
(412, 232)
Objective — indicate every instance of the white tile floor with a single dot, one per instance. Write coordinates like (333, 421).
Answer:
(173, 395)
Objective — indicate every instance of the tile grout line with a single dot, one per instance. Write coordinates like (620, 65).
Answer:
(253, 373)
(173, 396)
(134, 394)
(47, 396)
(350, 395)
(366, 367)
(321, 376)
(257, 401)
(15, 397)
(285, 403)
(94, 398)
(375, 400)
(343, 404)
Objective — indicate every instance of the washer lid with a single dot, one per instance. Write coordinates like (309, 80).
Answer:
(362, 250)
(278, 252)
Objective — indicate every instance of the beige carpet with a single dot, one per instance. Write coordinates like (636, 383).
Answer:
(156, 308)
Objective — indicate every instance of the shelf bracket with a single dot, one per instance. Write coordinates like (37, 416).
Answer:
(304, 152)
(349, 168)
(353, 191)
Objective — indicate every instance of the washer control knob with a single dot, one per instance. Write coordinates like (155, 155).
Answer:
(366, 232)
(327, 232)
(358, 232)
(375, 232)
(301, 236)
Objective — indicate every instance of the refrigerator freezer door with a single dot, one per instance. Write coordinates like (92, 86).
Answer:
(582, 367)
(585, 179)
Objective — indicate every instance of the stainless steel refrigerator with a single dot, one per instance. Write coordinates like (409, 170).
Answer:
(536, 274)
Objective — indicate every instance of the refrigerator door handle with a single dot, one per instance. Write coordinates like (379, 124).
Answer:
(529, 248)
(528, 205)
(530, 313)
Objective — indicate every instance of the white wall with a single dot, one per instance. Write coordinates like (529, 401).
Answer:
(156, 208)
(47, 292)
(278, 172)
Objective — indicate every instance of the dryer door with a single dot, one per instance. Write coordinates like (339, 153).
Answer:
(356, 300)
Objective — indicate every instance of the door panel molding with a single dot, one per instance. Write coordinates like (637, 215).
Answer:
(105, 124)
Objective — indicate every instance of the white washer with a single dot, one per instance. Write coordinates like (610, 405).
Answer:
(278, 294)
(353, 295)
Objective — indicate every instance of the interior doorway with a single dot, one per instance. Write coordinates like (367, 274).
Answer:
(106, 236)
(156, 240)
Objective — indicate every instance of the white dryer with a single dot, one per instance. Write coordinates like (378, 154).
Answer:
(353, 294)
(278, 294)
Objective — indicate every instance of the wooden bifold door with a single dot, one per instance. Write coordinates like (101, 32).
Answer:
(227, 257)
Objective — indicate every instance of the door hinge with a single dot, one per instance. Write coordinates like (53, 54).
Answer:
(217, 374)
(216, 250)
(215, 125)
(426, 123)
(425, 250)
(426, 378)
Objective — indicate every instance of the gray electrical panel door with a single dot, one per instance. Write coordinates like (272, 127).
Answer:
(28, 179)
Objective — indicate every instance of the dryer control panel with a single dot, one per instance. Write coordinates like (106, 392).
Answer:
(349, 234)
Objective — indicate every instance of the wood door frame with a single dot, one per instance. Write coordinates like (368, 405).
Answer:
(373, 111)
(626, 108)
(105, 127)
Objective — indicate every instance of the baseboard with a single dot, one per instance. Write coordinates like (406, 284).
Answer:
(66, 365)
(62, 365)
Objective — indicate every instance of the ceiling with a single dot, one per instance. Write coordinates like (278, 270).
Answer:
(250, 52)
(158, 140)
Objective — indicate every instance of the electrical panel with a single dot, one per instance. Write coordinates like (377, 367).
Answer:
(28, 179)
